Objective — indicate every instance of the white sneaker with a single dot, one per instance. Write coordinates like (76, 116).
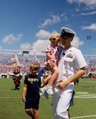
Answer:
(44, 92)
(49, 90)
(41, 93)
(56, 90)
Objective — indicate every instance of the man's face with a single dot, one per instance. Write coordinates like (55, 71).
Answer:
(66, 42)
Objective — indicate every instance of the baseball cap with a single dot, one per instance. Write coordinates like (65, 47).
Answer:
(67, 33)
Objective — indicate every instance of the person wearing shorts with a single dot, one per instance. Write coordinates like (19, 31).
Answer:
(31, 91)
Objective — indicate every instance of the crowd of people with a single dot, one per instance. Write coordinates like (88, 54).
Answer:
(64, 65)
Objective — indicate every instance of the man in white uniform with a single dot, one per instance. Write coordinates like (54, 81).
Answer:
(71, 67)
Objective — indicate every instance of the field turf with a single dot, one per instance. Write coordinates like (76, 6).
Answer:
(12, 107)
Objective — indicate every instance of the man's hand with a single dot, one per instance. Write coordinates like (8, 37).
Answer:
(62, 84)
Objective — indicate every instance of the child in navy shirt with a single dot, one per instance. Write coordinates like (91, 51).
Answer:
(31, 92)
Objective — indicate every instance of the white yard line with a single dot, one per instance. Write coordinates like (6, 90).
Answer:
(78, 95)
(83, 117)
(9, 97)
(81, 93)
(85, 96)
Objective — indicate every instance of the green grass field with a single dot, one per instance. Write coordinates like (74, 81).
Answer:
(12, 107)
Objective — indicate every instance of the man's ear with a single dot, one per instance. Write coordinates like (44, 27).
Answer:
(71, 39)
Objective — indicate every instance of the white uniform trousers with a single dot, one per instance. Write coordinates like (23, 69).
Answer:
(61, 102)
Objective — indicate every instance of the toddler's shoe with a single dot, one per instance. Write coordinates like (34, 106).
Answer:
(56, 90)
(44, 92)
(49, 90)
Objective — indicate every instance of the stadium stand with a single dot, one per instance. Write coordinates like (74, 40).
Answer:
(9, 59)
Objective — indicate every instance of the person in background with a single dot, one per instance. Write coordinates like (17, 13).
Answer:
(16, 77)
(71, 67)
(71, 104)
(31, 91)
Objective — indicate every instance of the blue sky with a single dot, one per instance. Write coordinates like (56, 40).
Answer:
(27, 24)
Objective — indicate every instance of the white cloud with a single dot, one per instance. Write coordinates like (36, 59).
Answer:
(77, 42)
(77, 10)
(63, 14)
(88, 3)
(43, 34)
(42, 42)
(70, 1)
(11, 38)
(66, 18)
(25, 46)
(52, 20)
(39, 46)
(91, 27)
(90, 13)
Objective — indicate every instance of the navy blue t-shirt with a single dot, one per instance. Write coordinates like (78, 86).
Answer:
(33, 83)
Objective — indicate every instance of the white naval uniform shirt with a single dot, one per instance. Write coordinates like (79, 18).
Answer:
(70, 61)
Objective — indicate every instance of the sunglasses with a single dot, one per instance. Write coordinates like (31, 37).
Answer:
(54, 39)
